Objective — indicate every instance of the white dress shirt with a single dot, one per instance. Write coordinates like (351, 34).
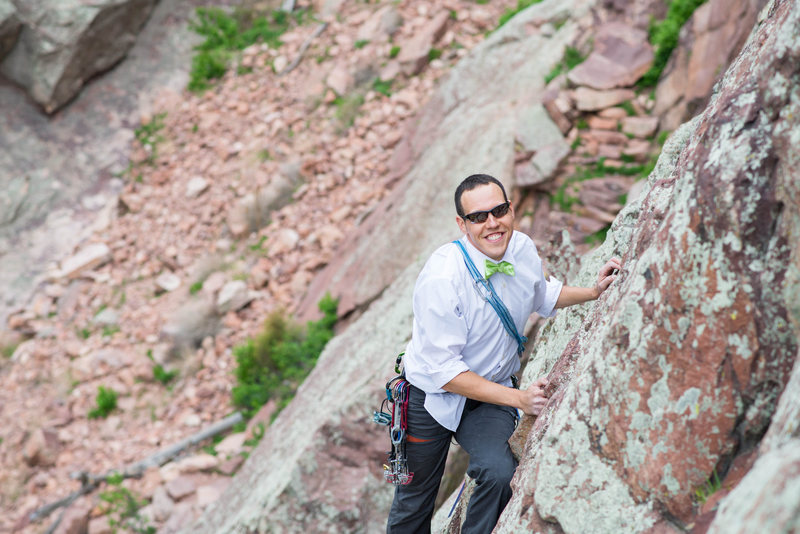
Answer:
(456, 330)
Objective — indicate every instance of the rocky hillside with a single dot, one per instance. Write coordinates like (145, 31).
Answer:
(283, 183)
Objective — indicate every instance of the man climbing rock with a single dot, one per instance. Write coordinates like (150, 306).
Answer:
(464, 350)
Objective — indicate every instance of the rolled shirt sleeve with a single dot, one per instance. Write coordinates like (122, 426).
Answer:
(549, 289)
(440, 333)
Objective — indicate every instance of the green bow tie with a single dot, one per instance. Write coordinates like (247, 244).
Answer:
(502, 267)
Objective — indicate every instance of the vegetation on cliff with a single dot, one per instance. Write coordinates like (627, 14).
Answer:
(273, 364)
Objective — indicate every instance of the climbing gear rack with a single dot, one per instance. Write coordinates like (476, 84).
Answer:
(396, 471)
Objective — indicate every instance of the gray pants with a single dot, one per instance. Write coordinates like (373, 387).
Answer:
(483, 432)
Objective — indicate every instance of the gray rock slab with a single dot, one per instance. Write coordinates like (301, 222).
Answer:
(536, 130)
(10, 27)
(64, 43)
(58, 172)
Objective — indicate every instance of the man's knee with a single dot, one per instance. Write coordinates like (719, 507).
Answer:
(497, 471)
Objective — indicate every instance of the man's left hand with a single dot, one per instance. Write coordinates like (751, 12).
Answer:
(607, 274)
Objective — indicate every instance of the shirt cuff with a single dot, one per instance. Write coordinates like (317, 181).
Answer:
(552, 292)
(447, 372)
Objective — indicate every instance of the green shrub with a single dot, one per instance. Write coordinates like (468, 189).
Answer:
(382, 87)
(510, 12)
(8, 350)
(149, 137)
(226, 33)
(106, 400)
(664, 36)
(163, 376)
(361, 43)
(434, 53)
(394, 51)
(276, 362)
(709, 488)
(122, 508)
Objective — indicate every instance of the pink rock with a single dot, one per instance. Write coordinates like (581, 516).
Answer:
(181, 487)
(612, 113)
(74, 521)
(41, 448)
(414, 52)
(640, 126)
(587, 99)
(621, 56)
(340, 80)
(99, 525)
(601, 123)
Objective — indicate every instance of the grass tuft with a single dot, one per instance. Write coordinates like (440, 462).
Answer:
(510, 12)
(664, 37)
(227, 33)
(106, 400)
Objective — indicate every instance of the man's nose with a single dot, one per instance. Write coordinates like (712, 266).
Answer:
(491, 221)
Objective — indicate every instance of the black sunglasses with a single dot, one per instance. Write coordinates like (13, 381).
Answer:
(478, 217)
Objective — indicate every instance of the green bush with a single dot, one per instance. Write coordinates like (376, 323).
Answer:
(106, 400)
(226, 33)
(664, 36)
(276, 362)
(162, 375)
(382, 87)
(572, 58)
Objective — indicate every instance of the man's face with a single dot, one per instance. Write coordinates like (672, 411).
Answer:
(492, 236)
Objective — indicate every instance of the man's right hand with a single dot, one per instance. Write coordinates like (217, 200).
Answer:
(533, 399)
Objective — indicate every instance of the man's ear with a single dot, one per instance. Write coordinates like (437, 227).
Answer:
(462, 224)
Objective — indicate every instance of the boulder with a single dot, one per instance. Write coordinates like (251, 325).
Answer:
(74, 521)
(10, 27)
(41, 448)
(414, 52)
(621, 55)
(233, 296)
(381, 25)
(63, 44)
(87, 258)
(253, 210)
(190, 324)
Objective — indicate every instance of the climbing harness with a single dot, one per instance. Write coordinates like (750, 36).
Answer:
(396, 471)
(488, 293)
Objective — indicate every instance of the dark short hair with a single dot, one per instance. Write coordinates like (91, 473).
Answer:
(470, 183)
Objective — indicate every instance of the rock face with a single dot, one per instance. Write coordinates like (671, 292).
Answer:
(9, 27)
(708, 42)
(677, 371)
(63, 44)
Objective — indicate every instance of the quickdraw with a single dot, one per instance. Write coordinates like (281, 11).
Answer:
(396, 471)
